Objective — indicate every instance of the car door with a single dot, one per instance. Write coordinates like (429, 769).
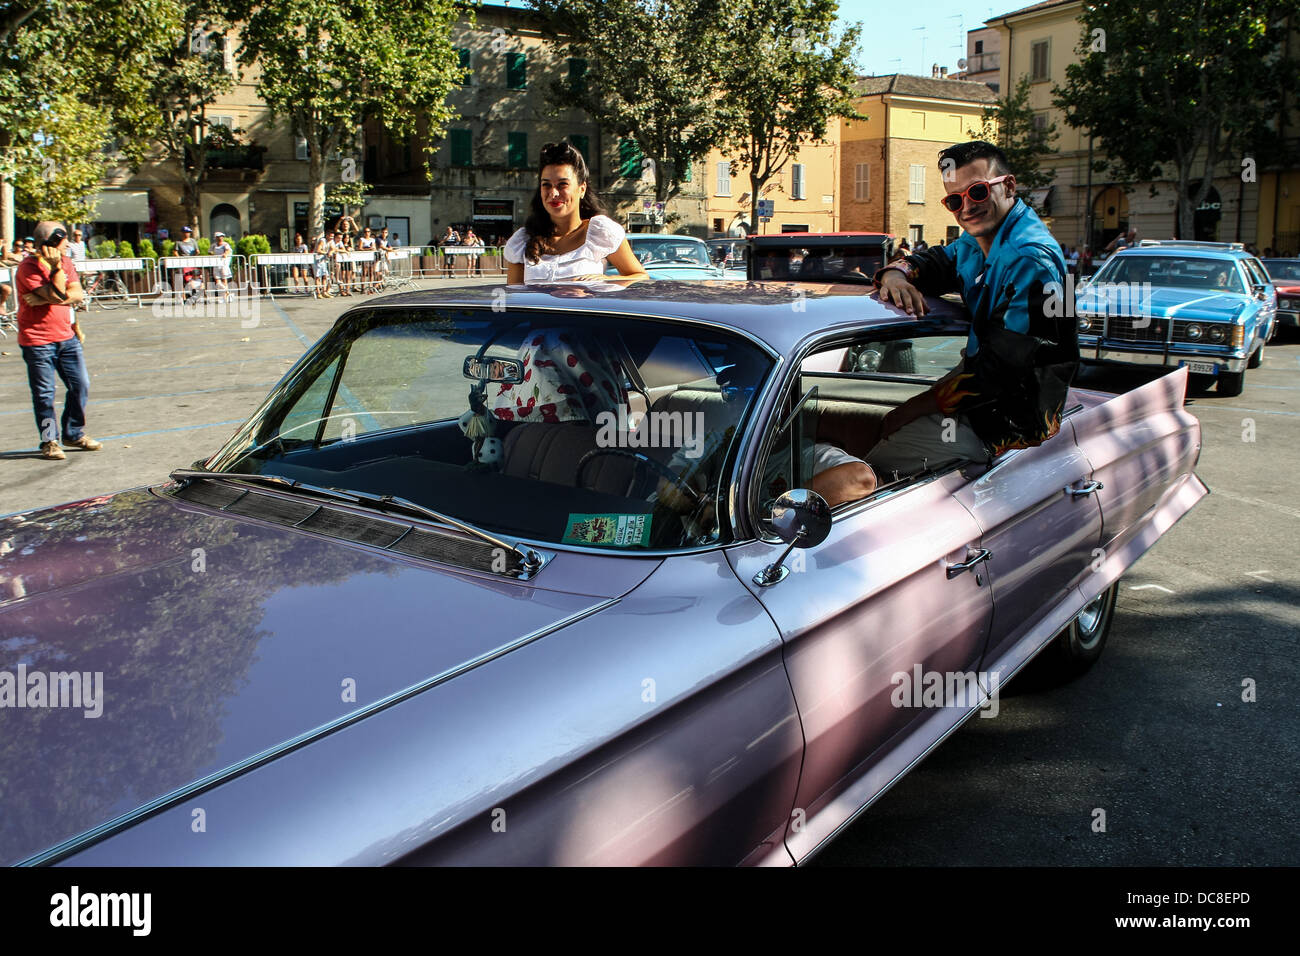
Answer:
(867, 617)
(1038, 514)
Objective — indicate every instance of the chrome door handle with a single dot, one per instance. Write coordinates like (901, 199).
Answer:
(970, 562)
(1087, 489)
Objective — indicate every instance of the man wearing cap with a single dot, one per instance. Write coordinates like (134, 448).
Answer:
(48, 290)
(188, 247)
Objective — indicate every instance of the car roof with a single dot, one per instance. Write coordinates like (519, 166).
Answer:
(779, 314)
(662, 235)
(822, 235)
(1184, 252)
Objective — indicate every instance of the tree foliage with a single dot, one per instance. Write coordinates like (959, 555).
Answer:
(653, 73)
(1009, 123)
(331, 65)
(1186, 85)
(70, 161)
(787, 76)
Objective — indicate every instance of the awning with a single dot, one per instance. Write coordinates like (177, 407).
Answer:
(1041, 198)
(123, 205)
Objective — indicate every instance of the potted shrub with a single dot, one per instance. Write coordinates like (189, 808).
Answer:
(429, 260)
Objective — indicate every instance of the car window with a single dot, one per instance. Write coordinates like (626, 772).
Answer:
(1283, 268)
(1176, 272)
(850, 263)
(1257, 273)
(570, 428)
(839, 399)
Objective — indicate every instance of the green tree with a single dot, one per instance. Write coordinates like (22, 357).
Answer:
(1009, 123)
(188, 77)
(1181, 85)
(95, 52)
(331, 65)
(652, 73)
(786, 77)
(70, 162)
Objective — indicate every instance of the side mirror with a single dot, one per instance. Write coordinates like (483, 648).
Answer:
(802, 519)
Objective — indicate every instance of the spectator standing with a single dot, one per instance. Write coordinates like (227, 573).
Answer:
(188, 247)
(367, 243)
(297, 272)
(48, 289)
(321, 267)
(385, 246)
(221, 274)
(476, 243)
(77, 247)
(450, 238)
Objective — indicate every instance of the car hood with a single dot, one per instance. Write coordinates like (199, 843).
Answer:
(1286, 286)
(211, 642)
(1162, 303)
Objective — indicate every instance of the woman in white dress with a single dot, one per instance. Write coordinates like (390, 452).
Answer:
(222, 248)
(567, 235)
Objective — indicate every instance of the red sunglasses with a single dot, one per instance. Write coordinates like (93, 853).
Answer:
(978, 191)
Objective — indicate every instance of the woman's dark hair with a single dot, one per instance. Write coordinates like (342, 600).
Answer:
(538, 225)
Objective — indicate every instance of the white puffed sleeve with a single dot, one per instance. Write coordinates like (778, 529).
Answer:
(516, 246)
(604, 236)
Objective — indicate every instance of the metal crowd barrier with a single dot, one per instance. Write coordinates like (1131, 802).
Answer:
(273, 272)
(9, 305)
(171, 273)
(141, 269)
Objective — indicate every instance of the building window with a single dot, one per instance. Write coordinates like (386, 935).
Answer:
(953, 233)
(517, 71)
(467, 72)
(226, 121)
(517, 150)
(629, 158)
(724, 179)
(1038, 61)
(915, 235)
(862, 182)
(1040, 120)
(916, 183)
(797, 181)
(717, 225)
(689, 172)
(300, 151)
(581, 143)
(578, 75)
(979, 47)
(461, 148)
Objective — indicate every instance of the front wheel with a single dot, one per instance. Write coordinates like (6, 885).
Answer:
(1256, 357)
(1231, 384)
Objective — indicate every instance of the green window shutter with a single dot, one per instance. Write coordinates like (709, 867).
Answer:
(517, 71)
(461, 149)
(629, 158)
(580, 143)
(517, 150)
(578, 75)
(687, 177)
(467, 72)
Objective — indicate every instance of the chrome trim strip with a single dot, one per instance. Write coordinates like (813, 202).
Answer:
(89, 837)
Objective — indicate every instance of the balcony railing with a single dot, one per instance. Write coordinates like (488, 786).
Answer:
(236, 157)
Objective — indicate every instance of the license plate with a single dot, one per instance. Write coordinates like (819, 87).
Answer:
(1202, 368)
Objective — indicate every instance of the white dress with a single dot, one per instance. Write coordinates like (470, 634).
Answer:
(604, 236)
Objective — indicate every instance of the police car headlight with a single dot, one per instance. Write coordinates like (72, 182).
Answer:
(1085, 323)
(1194, 332)
(1216, 334)
(869, 360)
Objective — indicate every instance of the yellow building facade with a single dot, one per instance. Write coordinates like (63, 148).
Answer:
(803, 192)
(889, 162)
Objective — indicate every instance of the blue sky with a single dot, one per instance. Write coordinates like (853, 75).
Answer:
(892, 41)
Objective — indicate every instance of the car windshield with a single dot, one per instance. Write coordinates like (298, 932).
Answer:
(586, 429)
(659, 251)
(1283, 268)
(847, 263)
(727, 250)
(1173, 272)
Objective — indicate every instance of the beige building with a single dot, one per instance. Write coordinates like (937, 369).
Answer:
(803, 193)
(1040, 41)
(983, 61)
(889, 162)
(484, 168)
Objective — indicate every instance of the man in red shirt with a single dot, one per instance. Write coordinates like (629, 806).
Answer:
(48, 290)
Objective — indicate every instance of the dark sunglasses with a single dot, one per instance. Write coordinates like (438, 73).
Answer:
(978, 191)
(57, 236)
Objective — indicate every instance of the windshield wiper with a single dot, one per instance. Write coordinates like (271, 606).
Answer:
(530, 559)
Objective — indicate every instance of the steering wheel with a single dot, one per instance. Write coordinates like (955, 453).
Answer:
(701, 501)
(656, 466)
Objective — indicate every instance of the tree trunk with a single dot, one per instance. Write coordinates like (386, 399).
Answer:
(6, 213)
(316, 177)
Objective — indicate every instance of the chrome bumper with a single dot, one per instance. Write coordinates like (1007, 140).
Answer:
(1106, 353)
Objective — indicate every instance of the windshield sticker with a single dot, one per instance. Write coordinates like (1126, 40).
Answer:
(614, 530)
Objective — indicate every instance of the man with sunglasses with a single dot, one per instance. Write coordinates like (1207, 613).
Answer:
(48, 290)
(1022, 352)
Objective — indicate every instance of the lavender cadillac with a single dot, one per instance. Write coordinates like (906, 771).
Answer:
(498, 581)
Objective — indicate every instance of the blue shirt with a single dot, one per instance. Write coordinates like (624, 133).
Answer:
(1023, 252)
